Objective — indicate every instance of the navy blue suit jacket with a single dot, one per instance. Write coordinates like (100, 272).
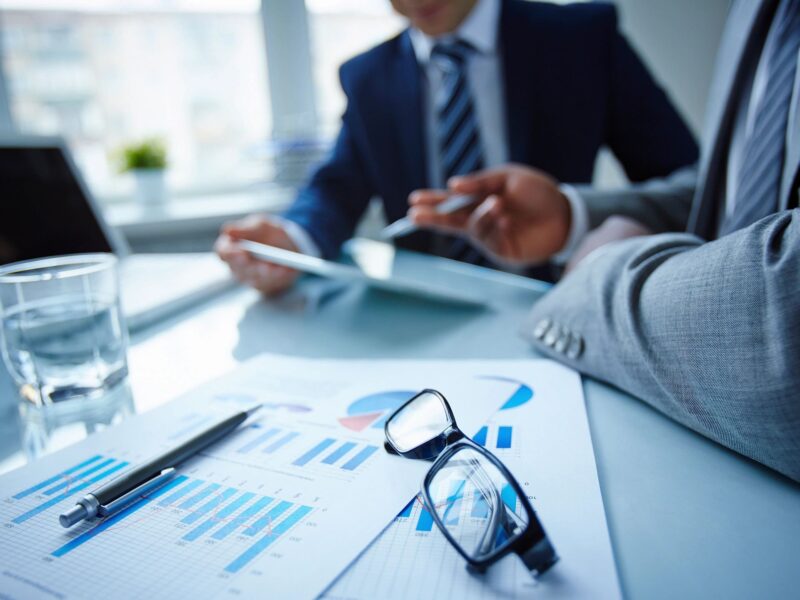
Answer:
(572, 85)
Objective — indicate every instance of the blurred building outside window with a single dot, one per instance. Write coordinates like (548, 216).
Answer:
(104, 73)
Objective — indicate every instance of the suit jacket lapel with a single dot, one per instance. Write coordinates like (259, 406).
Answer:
(792, 161)
(409, 121)
(737, 53)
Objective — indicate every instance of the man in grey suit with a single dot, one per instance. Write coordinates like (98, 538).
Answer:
(703, 325)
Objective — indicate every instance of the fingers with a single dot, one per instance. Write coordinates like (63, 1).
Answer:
(268, 278)
(427, 197)
(244, 228)
(483, 183)
(423, 211)
(488, 226)
(426, 216)
(228, 250)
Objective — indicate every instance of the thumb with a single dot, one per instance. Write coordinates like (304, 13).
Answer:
(483, 183)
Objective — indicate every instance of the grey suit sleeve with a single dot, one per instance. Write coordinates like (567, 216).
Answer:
(660, 204)
(708, 333)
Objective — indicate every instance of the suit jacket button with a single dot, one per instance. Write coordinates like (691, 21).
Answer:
(563, 341)
(541, 328)
(575, 348)
(552, 336)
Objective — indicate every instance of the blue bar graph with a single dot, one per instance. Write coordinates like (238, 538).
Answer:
(318, 449)
(504, 437)
(263, 543)
(353, 463)
(200, 496)
(258, 440)
(69, 493)
(219, 517)
(52, 480)
(85, 537)
(208, 506)
(241, 519)
(425, 521)
(192, 485)
(338, 453)
(480, 437)
(509, 496)
(71, 480)
(480, 508)
(454, 499)
(268, 518)
(281, 442)
(406, 512)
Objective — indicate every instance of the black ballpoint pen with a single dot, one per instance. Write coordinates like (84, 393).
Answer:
(132, 485)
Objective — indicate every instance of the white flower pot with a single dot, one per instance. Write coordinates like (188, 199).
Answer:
(150, 186)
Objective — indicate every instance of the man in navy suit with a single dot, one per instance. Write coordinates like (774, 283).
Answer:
(473, 84)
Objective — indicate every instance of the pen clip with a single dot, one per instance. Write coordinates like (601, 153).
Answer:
(134, 495)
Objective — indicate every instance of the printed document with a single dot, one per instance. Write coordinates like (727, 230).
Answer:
(277, 509)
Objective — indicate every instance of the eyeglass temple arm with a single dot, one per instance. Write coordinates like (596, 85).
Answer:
(488, 489)
(540, 557)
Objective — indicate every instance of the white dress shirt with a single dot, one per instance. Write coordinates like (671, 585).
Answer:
(484, 72)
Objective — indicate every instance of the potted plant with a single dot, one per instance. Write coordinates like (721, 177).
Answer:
(147, 160)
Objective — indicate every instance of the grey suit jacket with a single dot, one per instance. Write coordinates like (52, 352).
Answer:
(706, 331)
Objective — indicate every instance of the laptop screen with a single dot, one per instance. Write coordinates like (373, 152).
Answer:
(43, 210)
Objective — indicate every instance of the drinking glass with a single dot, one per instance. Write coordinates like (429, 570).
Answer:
(64, 344)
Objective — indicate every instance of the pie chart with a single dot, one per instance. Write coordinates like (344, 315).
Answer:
(373, 410)
(521, 395)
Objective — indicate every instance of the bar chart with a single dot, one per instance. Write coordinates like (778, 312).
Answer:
(55, 490)
(199, 509)
(460, 502)
(495, 437)
(305, 451)
(214, 512)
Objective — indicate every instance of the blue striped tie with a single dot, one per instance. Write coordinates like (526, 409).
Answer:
(460, 148)
(759, 178)
(457, 131)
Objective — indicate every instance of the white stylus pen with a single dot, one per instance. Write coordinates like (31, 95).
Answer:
(405, 225)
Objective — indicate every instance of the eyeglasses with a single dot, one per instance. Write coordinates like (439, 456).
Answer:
(474, 499)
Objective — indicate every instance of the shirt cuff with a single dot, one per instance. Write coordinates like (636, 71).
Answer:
(297, 233)
(578, 228)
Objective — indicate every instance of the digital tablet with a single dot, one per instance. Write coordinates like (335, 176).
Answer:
(384, 281)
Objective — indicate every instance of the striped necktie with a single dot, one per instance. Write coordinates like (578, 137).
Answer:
(457, 133)
(460, 148)
(758, 184)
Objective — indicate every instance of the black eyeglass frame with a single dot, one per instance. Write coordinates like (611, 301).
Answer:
(532, 545)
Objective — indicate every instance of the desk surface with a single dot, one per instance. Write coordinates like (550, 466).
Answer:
(688, 519)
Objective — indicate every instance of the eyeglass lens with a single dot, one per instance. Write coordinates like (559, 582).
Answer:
(477, 504)
(418, 422)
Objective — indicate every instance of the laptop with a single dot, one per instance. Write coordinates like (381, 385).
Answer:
(46, 210)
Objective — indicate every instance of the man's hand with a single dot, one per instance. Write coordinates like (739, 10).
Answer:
(268, 278)
(522, 217)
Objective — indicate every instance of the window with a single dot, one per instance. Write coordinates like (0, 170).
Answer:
(104, 73)
(339, 30)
